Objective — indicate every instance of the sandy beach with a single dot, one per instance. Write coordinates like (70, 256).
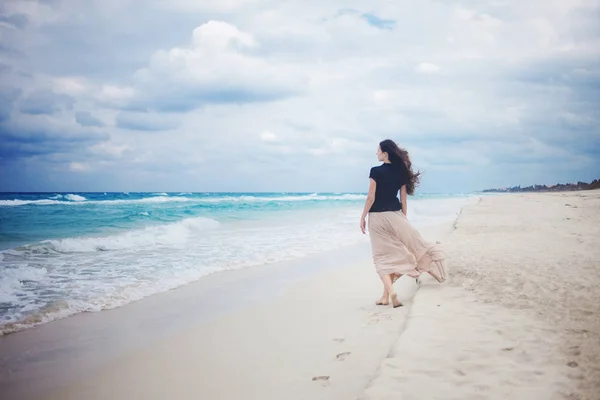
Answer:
(518, 318)
(520, 315)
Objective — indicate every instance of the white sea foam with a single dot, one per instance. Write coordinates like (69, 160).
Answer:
(71, 199)
(26, 202)
(159, 198)
(155, 236)
(265, 199)
(96, 273)
(75, 197)
(77, 200)
(148, 200)
(12, 281)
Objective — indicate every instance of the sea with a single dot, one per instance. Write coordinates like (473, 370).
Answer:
(68, 253)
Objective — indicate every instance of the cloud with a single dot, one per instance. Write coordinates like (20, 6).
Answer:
(480, 92)
(267, 136)
(45, 102)
(222, 6)
(16, 20)
(144, 121)
(217, 67)
(43, 136)
(78, 167)
(428, 68)
(71, 86)
(112, 93)
(4, 69)
(85, 118)
(24, 145)
(8, 95)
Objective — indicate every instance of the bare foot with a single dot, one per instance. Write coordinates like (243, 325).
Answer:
(395, 302)
(384, 301)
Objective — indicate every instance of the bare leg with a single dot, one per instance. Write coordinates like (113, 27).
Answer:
(385, 298)
(387, 283)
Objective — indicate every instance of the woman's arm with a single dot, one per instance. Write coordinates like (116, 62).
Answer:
(368, 203)
(403, 199)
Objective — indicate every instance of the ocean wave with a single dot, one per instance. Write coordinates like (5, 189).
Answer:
(32, 314)
(73, 199)
(32, 202)
(156, 199)
(70, 199)
(259, 199)
(57, 278)
(12, 280)
(77, 200)
(153, 236)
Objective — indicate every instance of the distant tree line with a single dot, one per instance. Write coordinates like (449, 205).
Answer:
(559, 187)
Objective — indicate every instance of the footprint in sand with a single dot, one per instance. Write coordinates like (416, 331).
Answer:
(342, 356)
(378, 317)
(323, 379)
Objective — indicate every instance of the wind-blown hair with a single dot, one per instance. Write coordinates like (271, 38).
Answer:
(400, 157)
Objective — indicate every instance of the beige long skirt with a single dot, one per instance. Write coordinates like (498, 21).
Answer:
(399, 249)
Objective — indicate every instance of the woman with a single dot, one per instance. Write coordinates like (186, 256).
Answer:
(398, 248)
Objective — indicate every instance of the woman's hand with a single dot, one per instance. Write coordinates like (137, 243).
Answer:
(368, 204)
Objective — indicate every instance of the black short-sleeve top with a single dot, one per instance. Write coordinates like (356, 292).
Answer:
(389, 178)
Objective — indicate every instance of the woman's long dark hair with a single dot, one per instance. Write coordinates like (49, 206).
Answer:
(399, 156)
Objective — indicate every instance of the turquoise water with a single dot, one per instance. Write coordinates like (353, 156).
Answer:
(32, 217)
(64, 253)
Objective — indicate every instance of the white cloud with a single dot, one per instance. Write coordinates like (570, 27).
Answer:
(144, 121)
(218, 66)
(70, 85)
(110, 149)
(267, 136)
(207, 6)
(218, 36)
(428, 68)
(318, 82)
(115, 93)
(383, 96)
(464, 13)
(78, 167)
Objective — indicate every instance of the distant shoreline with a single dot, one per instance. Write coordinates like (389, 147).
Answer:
(559, 187)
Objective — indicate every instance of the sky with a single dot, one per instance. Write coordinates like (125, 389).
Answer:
(267, 95)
